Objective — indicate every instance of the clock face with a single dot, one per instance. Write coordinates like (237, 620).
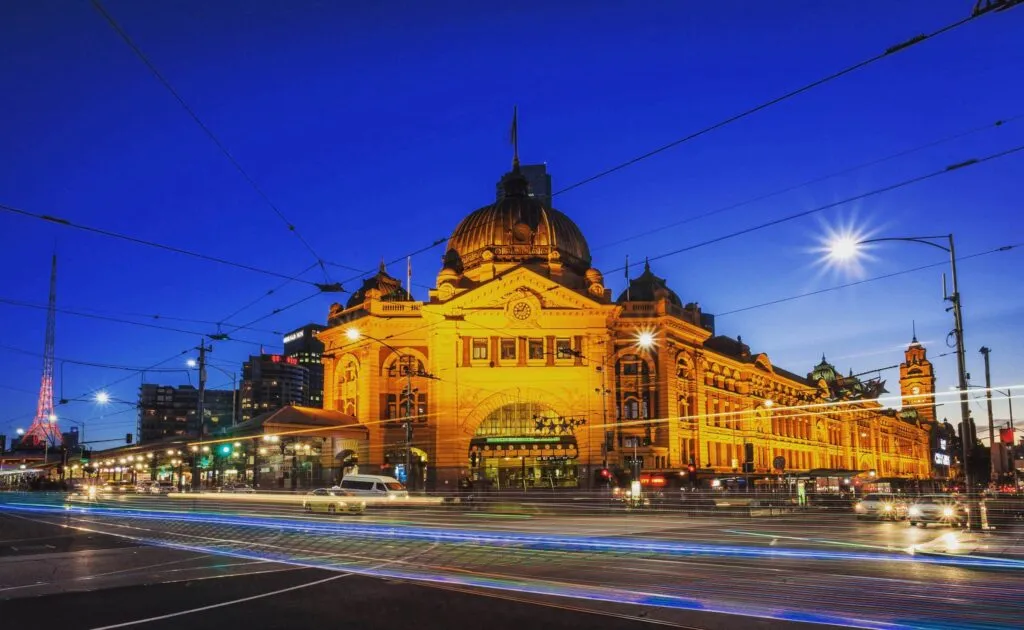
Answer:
(915, 390)
(522, 311)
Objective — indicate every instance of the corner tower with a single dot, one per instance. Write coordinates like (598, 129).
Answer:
(917, 382)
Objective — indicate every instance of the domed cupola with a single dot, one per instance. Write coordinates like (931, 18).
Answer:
(648, 288)
(380, 287)
(517, 228)
(824, 371)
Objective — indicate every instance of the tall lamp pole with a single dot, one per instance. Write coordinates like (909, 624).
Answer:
(847, 249)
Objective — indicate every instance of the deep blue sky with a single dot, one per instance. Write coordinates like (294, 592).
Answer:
(376, 127)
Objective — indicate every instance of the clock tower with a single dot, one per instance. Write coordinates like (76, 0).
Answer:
(917, 382)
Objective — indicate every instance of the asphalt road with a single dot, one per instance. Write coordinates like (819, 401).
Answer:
(439, 568)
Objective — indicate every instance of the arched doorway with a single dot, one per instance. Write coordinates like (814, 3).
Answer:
(523, 445)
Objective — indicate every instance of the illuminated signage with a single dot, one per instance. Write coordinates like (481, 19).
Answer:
(295, 335)
(942, 445)
(515, 440)
(942, 459)
(276, 358)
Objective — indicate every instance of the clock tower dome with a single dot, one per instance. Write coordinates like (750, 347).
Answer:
(917, 382)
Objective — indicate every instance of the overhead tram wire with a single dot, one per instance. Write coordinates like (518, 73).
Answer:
(956, 136)
(108, 366)
(206, 129)
(327, 287)
(804, 213)
(1004, 248)
(116, 320)
(788, 95)
(262, 296)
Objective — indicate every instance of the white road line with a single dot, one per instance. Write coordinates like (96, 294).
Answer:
(222, 604)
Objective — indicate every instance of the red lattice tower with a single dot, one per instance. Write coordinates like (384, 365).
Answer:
(44, 427)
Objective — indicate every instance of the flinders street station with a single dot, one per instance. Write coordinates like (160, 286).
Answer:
(522, 369)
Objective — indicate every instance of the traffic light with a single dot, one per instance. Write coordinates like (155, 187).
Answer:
(226, 449)
(691, 470)
(605, 473)
(472, 460)
(127, 438)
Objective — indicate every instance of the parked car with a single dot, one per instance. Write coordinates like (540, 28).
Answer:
(333, 501)
(881, 506)
(942, 509)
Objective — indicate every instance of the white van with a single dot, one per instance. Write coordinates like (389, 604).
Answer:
(374, 486)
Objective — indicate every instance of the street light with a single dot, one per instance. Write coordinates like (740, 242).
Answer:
(20, 431)
(102, 397)
(847, 248)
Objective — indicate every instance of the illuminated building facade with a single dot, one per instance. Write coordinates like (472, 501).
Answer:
(521, 369)
(166, 411)
(272, 381)
(304, 346)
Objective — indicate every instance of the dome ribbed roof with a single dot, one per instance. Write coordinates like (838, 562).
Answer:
(387, 288)
(517, 228)
(648, 288)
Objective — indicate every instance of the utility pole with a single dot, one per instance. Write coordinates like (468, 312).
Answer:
(201, 411)
(993, 444)
(408, 426)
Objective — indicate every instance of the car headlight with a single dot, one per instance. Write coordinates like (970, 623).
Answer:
(859, 507)
(887, 507)
(914, 511)
(947, 512)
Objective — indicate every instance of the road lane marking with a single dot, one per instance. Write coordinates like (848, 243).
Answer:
(221, 604)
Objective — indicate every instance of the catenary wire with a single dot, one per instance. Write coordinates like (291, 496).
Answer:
(1004, 248)
(997, 124)
(206, 129)
(140, 241)
(788, 95)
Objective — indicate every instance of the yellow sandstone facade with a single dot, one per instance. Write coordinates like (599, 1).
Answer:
(522, 370)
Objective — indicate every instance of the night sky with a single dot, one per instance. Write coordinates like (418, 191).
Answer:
(374, 127)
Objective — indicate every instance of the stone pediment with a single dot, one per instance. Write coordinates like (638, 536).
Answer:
(519, 285)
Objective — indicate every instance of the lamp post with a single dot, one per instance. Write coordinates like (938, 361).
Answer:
(234, 386)
(354, 334)
(846, 249)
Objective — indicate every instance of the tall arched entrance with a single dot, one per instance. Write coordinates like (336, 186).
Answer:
(524, 445)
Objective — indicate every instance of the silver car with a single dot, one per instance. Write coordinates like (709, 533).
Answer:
(881, 506)
(942, 509)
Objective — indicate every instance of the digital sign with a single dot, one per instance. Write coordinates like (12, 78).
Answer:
(942, 459)
(276, 358)
(295, 335)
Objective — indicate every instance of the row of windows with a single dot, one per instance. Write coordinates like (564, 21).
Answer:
(508, 349)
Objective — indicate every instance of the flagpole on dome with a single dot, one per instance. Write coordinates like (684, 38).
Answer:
(514, 138)
(408, 276)
(627, 277)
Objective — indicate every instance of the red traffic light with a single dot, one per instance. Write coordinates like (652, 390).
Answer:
(605, 473)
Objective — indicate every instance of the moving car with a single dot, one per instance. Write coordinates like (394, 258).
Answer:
(236, 488)
(333, 501)
(881, 506)
(380, 486)
(942, 509)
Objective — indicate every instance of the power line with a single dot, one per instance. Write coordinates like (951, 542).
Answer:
(117, 320)
(1004, 248)
(169, 248)
(788, 95)
(206, 129)
(110, 366)
(858, 197)
(997, 124)
(262, 296)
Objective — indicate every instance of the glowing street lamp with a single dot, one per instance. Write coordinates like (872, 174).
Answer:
(20, 431)
(191, 363)
(353, 334)
(848, 248)
(645, 339)
(102, 397)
